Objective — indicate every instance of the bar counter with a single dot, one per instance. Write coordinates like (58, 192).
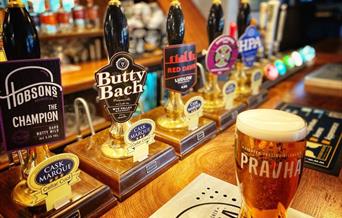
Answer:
(318, 195)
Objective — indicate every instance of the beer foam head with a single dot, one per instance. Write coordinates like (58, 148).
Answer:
(271, 125)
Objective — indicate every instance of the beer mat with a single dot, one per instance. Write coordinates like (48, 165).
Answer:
(324, 137)
(207, 196)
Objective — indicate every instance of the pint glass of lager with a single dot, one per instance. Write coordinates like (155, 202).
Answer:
(269, 154)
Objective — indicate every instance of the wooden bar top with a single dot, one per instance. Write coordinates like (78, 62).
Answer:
(319, 194)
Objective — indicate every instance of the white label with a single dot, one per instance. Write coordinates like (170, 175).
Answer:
(256, 80)
(229, 91)
(193, 110)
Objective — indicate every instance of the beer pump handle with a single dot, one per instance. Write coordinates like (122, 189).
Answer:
(262, 27)
(262, 15)
(273, 10)
(175, 24)
(215, 24)
(242, 21)
(244, 17)
(115, 29)
(281, 24)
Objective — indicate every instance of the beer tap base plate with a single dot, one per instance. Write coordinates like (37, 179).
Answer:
(183, 140)
(168, 123)
(225, 118)
(114, 152)
(213, 105)
(254, 101)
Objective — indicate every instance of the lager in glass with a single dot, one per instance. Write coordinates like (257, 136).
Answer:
(269, 154)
